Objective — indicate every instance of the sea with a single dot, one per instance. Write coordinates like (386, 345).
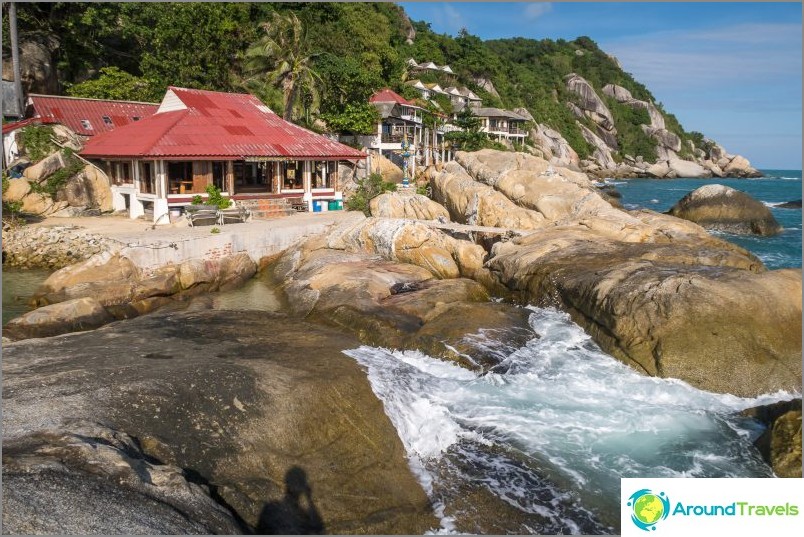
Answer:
(541, 447)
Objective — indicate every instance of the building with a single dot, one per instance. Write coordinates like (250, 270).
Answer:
(414, 67)
(462, 97)
(501, 124)
(233, 141)
(85, 117)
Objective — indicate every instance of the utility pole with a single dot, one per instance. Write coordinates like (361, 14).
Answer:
(15, 57)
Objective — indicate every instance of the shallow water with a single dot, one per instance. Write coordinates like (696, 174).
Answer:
(18, 286)
(552, 435)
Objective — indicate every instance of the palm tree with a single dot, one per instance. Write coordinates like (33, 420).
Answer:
(282, 58)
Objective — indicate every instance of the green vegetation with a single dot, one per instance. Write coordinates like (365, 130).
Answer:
(118, 85)
(368, 189)
(322, 60)
(37, 141)
(59, 178)
(354, 118)
(214, 197)
(10, 208)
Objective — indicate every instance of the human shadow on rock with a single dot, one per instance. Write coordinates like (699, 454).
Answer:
(295, 513)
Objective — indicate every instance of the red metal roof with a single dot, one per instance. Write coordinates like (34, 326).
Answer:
(86, 116)
(216, 125)
(8, 127)
(387, 95)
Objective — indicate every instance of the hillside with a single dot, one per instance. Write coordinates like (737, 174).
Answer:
(588, 113)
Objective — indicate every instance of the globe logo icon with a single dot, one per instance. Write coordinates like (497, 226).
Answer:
(648, 508)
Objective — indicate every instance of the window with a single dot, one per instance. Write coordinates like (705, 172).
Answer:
(86, 124)
(180, 177)
(324, 173)
(293, 176)
(108, 121)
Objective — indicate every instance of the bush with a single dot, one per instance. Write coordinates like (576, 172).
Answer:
(368, 189)
(214, 198)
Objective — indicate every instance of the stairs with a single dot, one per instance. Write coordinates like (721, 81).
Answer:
(264, 209)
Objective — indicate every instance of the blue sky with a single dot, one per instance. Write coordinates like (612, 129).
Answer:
(730, 70)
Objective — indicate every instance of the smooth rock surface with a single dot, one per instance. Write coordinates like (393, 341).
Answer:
(70, 316)
(414, 206)
(723, 208)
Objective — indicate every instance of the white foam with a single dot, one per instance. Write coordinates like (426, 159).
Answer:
(565, 404)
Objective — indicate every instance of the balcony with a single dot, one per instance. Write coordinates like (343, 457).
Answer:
(413, 118)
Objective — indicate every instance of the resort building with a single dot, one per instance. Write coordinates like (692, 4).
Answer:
(233, 141)
(414, 67)
(501, 124)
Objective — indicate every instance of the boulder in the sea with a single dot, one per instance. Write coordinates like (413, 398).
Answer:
(70, 316)
(795, 204)
(723, 208)
(686, 168)
(414, 206)
(780, 444)
(740, 167)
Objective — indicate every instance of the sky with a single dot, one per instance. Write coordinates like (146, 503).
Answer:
(731, 70)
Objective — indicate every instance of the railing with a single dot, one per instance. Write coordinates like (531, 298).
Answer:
(516, 130)
(411, 117)
(392, 138)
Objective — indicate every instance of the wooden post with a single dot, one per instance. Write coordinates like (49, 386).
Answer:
(230, 177)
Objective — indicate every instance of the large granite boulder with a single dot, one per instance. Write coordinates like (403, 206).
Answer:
(70, 316)
(397, 305)
(41, 204)
(589, 101)
(699, 310)
(17, 189)
(390, 172)
(723, 208)
(90, 189)
(471, 202)
(554, 147)
(45, 167)
(686, 168)
(739, 166)
(261, 410)
(414, 206)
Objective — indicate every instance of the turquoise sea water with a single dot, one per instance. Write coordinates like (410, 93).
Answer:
(778, 186)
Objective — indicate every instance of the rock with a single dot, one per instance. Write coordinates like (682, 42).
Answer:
(255, 406)
(390, 172)
(53, 247)
(669, 310)
(415, 206)
(659, 170)
(92, 479)
(740, 167)
(69, 316)
(17, 189)
(589, 101)
(90, 188)
(685, 168)
(720, 207)
(555, 148)
(411, 242)
(45, 167)
(67, 138)
(619, 93)
(346, 179)
(524, 113)
(796, 204)
(713, 168)
(398, 305)
(486, 85)
(780, 444)
(470, 202)
(37, 203)
(37, 65)
(602, 152)
(664, 137)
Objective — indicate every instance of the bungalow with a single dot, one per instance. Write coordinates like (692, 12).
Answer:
(233, 141)
(462, 97)
(501, 124)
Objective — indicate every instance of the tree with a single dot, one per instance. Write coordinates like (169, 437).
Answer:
(469, 138)
(118, 85)
(282, 57)
(356, 118)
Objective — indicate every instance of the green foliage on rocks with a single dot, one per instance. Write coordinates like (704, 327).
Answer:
(37, 141)
(116, 84)
(368, 188)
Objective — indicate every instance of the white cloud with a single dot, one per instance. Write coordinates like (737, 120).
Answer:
(452, 18)
(535, 10)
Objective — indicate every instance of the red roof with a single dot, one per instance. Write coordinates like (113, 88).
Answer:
(197, 123)
(8, 127)
(88, 117)
(389, 96)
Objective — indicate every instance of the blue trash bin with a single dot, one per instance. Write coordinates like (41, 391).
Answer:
(317, 206)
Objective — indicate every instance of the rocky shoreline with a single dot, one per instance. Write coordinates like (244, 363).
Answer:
(244, 421)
